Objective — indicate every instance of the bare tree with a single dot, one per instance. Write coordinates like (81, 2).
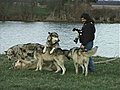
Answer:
(4, 5)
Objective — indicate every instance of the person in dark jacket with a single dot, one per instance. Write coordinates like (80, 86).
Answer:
(86, 37)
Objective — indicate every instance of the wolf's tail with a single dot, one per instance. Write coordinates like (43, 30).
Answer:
(92, 51)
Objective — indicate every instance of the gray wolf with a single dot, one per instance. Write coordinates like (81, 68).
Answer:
(23, 64)
(57, 57)
(28, 50)
(21, 51)
(81, 58)
(22, 56)
(12, 52)
(26, 57)
(52, 41)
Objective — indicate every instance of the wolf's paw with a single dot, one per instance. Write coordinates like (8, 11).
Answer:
(44, 51)
(36, 69)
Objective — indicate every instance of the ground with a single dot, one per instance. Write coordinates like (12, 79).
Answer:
(106, 77)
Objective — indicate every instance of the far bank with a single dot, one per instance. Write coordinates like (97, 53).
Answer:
(68, 12)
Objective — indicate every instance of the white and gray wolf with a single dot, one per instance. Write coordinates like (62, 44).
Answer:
(57, 57)
(23, 56)
(21, 51)
(24, 64)
(16, 52)
(81, 58)
(52, 42)
(12, 52)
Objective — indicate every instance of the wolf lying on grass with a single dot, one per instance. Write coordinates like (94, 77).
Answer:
(16, 52)
(22, 56)
(23, 64)
(12, 52)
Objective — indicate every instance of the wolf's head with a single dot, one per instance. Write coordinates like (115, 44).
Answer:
(10, 53)
(52, 38)
(19, 64)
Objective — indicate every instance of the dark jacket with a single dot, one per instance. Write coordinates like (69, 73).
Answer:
(88, 33)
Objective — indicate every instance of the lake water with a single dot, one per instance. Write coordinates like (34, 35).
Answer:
(12, 33)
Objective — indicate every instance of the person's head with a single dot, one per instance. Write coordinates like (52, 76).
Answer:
(86, 18)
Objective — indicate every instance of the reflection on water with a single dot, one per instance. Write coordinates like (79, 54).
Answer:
(12, 33)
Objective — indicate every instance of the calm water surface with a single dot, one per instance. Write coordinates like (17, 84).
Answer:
(12, 33)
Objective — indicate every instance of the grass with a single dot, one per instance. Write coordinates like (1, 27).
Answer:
(106, 77)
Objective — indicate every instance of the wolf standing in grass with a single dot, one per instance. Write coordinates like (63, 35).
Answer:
(86, 37)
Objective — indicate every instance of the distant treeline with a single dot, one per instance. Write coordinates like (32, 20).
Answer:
(54, 10)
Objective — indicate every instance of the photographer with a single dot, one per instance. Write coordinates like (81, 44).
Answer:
(86, 37)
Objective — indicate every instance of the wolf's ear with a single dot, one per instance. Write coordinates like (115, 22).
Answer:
(49, 33)
(5, 52)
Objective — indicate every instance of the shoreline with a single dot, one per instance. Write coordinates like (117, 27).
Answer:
(3, 55)
(56, 21)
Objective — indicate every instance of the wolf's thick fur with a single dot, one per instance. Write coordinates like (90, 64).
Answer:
(52, 42)
(13, 52)
(57, 57)
(24, 64)
(22, 54)
(81, 58)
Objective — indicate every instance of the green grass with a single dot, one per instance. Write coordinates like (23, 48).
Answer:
(106, 77)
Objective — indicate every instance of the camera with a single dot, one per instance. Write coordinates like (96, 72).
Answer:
(76, 40)
(74, 29)
(78, 30)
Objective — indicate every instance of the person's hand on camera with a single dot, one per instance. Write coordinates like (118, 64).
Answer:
(74, 29)
(76, 40)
